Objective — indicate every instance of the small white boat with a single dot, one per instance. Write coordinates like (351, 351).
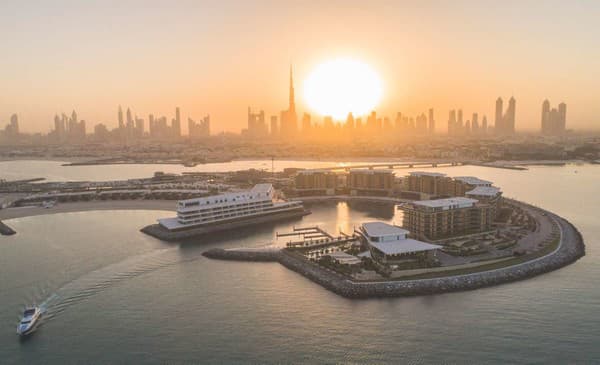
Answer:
(31, 316)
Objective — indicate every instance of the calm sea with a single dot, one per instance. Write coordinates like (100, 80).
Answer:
(115, 295)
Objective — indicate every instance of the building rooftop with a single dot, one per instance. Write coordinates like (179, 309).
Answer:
(407, 245)
(379, 229)
(427, 173)
(448, 203)
(484, 191)
(472, 180)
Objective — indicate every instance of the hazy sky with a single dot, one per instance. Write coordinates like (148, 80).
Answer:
(220, 57)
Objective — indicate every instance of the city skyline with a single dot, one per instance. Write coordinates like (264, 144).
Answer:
(436, 61)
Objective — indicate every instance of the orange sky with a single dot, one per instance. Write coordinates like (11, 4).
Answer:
(220, 58)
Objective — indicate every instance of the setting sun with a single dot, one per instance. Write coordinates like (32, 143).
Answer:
(341, 86)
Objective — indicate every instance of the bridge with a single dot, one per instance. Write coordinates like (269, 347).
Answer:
(397, 165)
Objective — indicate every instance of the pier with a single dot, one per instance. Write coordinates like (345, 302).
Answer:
(314, 237)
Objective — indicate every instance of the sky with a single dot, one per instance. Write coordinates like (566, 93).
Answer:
(220, 57)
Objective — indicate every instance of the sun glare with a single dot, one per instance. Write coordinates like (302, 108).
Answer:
(341, 86)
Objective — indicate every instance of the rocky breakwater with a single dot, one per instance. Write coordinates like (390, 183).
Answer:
(6, 230)
(569, 249)
(244, 254)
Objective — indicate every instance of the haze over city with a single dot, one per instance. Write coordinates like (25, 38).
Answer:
(299, 181)
(219, 58)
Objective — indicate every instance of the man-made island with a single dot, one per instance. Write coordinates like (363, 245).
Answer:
(474, 239)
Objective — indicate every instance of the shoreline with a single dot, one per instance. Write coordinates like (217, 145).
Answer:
(570, 248)
(84, 206)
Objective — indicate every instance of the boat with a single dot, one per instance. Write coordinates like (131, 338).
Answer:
(229, 211)
(31, 316)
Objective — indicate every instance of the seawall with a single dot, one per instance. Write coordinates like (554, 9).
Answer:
(6, 230)
(570, 248)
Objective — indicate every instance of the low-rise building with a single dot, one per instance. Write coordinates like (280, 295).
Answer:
(442, 218)
(389, 244)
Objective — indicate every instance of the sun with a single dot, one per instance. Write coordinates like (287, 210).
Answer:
(341, 86)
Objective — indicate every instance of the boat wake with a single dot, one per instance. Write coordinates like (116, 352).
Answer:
(96, 281)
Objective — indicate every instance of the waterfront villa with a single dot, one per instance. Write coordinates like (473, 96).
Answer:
(389, 244)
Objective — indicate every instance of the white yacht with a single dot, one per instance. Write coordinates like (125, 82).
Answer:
(31, 316)
(230, 207)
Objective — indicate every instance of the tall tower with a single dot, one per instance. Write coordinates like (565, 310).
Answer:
(289, 119)
(510, 113)
(498, 124)
(121, 123)
(562, 113)
(431, 122)
(176, 124)
(545, 115)
(292, 102)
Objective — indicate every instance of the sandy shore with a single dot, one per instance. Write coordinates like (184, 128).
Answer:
(20, 212)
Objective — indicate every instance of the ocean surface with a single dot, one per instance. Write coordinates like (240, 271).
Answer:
(114, 295)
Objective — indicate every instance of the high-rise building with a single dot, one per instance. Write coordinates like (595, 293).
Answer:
(120, 116)
(431, 122)
(274, 127)
(453, 126)
(484, 125)
(498, 125)
(306, 123)
(176, 124)
(553, 120)
(200, 129)
(505, 123)
(475, 124)
(257, 127)
(509, 117)
(289, 118)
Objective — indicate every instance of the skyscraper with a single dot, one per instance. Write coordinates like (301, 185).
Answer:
(274, 127)
(120, 116)
(475, 123)
(505, 123)
(553, 120)
(509, 117)
(498, 124)
(176, 124)
(289, 118)
(545, 115)
(431, 122)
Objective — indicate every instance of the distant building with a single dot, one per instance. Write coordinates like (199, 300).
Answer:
(289, 118)
(505, 123)
(176, 124)
(200, 129)
(257, 127)
(554, 121)
(431, 122)
(274, 127)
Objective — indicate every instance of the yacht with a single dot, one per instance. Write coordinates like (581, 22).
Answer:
(229, 207)
(31, 316)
